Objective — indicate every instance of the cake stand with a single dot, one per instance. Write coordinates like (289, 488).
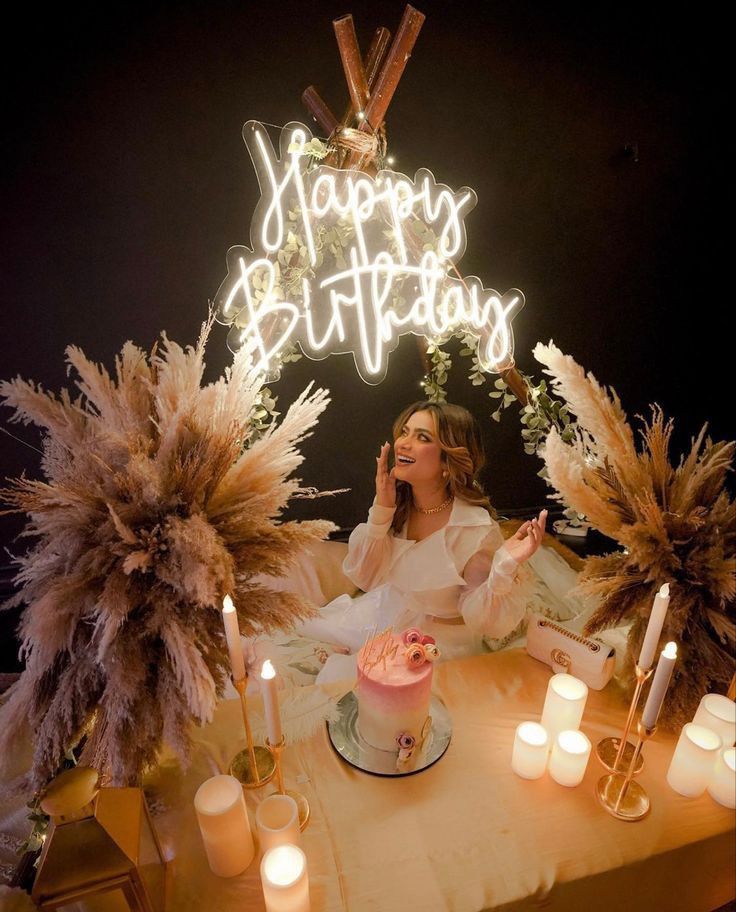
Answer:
(348, 743)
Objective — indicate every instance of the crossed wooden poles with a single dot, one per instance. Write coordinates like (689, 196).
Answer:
(372, 82)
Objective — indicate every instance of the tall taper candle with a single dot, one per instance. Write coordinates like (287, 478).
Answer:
(271, 702)
(232, 634)
(660, 683)
(654, 628)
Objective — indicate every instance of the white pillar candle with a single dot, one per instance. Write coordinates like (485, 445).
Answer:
(722, 785)
(529, 756)
(569, 759)
(694, 760)
(564, 704)
(654, 628)
(718, 713)
(232, 634)
(285, 879)
(224, 825)
(277, 822)
(271, 702)
(660, 683)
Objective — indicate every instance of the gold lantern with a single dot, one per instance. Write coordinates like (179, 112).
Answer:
(101, 848)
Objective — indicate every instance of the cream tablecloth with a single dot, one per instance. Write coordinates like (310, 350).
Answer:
(467, 834)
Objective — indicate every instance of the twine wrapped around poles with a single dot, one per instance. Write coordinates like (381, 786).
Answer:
(370, 148)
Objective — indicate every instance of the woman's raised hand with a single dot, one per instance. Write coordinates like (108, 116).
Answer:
(527, 539)
(385, 480)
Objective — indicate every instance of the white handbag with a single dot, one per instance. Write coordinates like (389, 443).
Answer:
(589, 659)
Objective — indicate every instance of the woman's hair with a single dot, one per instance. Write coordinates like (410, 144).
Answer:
(462, 453)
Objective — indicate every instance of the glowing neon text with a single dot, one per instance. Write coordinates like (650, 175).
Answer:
(386, 283)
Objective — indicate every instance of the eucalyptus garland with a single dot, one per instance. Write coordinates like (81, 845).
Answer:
(541, 413)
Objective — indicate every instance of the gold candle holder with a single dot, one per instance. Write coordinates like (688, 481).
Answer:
(254, 766)
(301, 800)
(623, 798)
(615, 754)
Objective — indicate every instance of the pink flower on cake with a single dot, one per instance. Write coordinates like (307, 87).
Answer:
(431, 652)
(415, 655)
(406, 744)
(427, 639)
(411, 636)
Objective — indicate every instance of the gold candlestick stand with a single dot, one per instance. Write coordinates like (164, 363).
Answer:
(616, 753)
(301, 801)
(254, 766)
(623, 798)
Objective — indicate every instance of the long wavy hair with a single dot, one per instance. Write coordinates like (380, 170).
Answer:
(462, 454)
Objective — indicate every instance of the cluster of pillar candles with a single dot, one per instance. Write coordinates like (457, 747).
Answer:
(230, 848)
(704, 758)
(223, 817)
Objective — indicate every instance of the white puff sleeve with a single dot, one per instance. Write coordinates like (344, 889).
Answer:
(494, 600)
(370, 549)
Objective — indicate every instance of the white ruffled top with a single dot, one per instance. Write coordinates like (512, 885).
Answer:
(462, 569)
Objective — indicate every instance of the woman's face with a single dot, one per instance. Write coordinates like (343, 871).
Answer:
(417, 453)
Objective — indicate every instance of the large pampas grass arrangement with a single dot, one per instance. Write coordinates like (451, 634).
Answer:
(674, 523)
(160, 496)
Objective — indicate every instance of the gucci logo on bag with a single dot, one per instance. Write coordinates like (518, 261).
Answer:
(560, 658)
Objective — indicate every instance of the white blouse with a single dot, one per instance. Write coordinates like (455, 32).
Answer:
(462, 569)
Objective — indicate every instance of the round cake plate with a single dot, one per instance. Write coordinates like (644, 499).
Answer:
(348, 743)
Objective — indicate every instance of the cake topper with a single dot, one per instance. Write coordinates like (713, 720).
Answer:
(380, 649)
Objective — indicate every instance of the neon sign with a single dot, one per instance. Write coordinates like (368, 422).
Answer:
(361, 272)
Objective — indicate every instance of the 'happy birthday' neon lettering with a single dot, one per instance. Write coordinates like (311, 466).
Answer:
(352, 307)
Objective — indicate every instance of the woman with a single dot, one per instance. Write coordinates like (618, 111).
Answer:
(430, 554)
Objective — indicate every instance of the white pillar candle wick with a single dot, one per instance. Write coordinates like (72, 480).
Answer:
(529, 755)
(569, 759)
(694, 760)
(722, 785)
(660, 683)
(654, 628)
(271, 702)
(285, 879)
(564, 704)
(232, 635)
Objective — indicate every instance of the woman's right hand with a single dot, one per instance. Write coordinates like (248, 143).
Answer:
(385, 480)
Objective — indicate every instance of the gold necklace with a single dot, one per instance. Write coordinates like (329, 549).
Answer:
(443, 506)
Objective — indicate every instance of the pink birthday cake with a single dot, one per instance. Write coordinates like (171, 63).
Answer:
(394, 689)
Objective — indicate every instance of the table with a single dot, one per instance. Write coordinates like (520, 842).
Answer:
(467, 834)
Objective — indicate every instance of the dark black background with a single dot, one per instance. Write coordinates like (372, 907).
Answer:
(125, 180)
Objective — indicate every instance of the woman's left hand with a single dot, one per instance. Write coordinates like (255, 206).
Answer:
(527, 539)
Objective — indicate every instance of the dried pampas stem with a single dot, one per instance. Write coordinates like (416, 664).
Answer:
(675, 523)
(159, 498)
